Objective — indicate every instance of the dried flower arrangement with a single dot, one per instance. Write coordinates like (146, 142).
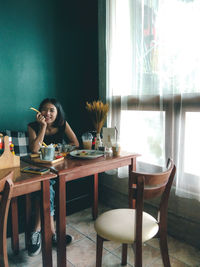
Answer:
(98, 111)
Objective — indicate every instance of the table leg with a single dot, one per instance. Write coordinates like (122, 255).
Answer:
(14, 220)
(61, 221)
(132, 167)
(28, 218)
(46, 225)
(95, 200)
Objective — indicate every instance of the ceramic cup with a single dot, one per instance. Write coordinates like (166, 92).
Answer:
(47, 153)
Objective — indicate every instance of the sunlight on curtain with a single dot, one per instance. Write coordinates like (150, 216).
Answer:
(153, 143)
(153, 83)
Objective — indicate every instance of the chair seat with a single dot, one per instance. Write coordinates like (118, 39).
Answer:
(119, 225)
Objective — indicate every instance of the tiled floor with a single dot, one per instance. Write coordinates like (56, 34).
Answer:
(81, 253)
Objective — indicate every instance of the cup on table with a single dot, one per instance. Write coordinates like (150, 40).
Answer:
(116, 149)
(68, 148)
(59, 148)
(87, 140)
(47, 153)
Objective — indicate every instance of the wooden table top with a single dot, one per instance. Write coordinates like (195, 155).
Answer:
(84, 167)
(25, 183)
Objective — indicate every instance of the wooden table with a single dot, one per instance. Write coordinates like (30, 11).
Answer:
(73, 168)
(25, 183)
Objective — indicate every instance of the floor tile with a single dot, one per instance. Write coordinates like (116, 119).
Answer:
(150, 254)
(174, 263)
(77, 235)
(82, 221)
(180, 251)
(186, 254)
(108, 245)
(82, 251)
(112, 261)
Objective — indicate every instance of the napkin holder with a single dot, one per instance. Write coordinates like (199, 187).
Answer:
(8, 159)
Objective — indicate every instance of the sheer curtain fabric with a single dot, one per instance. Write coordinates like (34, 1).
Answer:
(153, 83)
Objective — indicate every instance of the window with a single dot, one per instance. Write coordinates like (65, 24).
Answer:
(153, 82)
(134, 135)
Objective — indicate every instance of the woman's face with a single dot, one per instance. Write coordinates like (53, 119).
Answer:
(49, 111)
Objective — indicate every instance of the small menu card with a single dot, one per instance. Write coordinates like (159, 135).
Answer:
(108, 136)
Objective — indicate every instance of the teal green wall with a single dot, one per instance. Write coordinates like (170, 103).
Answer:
(47, 49)
(77, 56)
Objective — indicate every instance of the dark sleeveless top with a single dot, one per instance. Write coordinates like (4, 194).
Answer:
(56, 138)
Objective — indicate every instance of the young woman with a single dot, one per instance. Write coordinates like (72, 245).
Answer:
(50, 127)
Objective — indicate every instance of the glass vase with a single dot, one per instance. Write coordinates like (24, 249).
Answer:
(98, 141)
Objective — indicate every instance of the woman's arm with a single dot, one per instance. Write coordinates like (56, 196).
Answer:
(35, 141)
(71, 135)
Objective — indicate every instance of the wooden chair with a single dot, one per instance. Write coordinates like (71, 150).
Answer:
(133, 225)
(6, 188)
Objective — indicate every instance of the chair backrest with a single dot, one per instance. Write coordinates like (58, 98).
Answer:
(148, 186)
(6, 188)
(155, 184)
(151, 185)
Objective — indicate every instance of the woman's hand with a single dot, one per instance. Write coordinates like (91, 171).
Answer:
(41, 119)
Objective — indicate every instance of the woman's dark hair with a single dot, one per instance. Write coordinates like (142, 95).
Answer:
(60, 119)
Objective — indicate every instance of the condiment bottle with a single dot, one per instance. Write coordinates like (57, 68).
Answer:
(93, 143)
(1, 141)
(12, 149)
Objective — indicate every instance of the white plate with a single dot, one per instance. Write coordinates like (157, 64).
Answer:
(86, 154)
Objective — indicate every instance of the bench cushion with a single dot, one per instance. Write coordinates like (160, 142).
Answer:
(20, 141)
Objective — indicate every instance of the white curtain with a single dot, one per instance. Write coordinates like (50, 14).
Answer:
(153, 83)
